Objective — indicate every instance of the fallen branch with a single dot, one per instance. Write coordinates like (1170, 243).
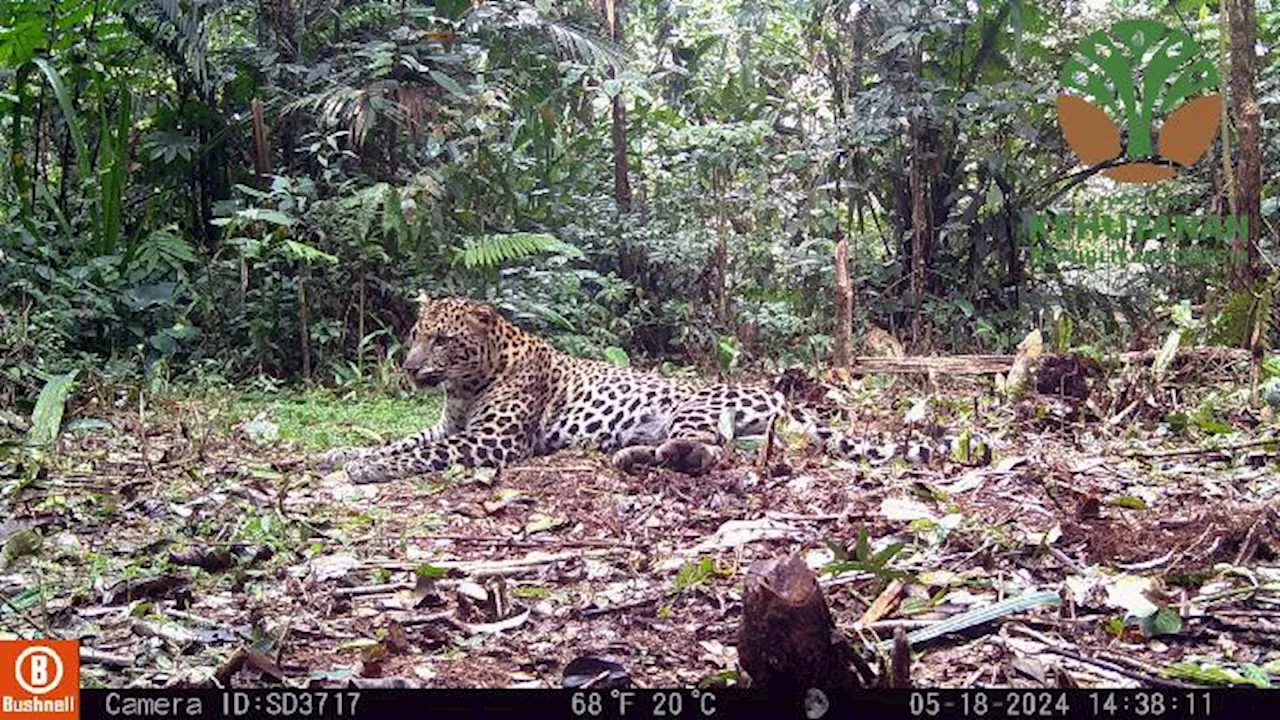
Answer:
(1109, 665)
(943, 365)
(89, 656)
(1187, 452)
(992, 364)
(482, 568)
(629, 605)
(381, 589)
(176, 635)
(506, 540)
(253, 658)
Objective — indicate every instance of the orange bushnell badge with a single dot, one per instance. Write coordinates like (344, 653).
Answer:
(40, 679)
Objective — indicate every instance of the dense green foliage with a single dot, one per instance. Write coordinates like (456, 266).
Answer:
(229, 188)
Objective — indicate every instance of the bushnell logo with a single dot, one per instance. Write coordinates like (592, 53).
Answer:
(1141, 74)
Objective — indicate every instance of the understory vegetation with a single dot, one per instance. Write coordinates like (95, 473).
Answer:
(236, 191)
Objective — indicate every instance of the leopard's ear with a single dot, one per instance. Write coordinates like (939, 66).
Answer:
(486, 315)
(423, 298)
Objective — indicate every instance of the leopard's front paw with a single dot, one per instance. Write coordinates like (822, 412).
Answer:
(634, 459)
(689, 456)
(337, 457)
(362, 473)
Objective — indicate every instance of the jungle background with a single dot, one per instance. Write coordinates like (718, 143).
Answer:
(215, 216)
(243, 191)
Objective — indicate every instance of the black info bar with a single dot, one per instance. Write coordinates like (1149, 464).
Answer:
(692, 704)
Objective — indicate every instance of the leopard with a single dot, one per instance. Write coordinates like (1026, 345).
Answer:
(511, 395)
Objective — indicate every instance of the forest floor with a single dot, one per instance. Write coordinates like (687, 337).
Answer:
(191, 543)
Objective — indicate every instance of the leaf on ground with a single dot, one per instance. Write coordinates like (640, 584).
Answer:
(595, 672)
(261, 430)
(1164, 622)
(1164, 357)
(329, 567)
(130, 589)
(741, 532)
(359, 644)
(1129, 592)
(1206, 673)
(87, 425)
(427, 570)
(206, 558)
(905, 510)
(693, 574)
(510, 623)
(541, 523)
(19, 545)
(1128, 501)
(46, 420)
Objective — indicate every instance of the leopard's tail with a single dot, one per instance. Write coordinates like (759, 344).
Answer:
(915, 447)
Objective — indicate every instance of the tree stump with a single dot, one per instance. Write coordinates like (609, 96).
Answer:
(787, 641)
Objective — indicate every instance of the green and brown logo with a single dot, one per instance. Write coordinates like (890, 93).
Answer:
(1141, 74)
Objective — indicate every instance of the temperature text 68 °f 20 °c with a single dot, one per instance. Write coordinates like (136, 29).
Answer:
(629, 703)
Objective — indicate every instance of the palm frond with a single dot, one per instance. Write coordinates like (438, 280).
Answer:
(522, 20)
(163, 249)
(186, 28)
(583, 46)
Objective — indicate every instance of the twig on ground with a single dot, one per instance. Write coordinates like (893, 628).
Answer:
(1146, 676)
(481, 568)
(44, 631)
(503, 540)
(1189, 452)
(380, 589)
(629, 605)
(176, 635)
(89, 656)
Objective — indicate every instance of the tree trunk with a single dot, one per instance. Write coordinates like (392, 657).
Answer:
(1228, 203)
(304, 333)
(261, 146)
(921, 230)
(721, 258)
(621, 181)
(1242, 18)
(844, 304)
(921, 242)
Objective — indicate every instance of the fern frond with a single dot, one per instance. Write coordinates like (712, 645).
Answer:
(491, 251)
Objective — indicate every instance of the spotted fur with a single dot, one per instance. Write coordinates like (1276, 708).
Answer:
(510, 395)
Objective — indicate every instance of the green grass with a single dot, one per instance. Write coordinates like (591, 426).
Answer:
(319, 419)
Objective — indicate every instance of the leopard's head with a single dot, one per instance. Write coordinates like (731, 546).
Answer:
(454, 341)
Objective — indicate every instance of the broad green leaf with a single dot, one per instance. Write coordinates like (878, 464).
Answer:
(1255, 675)
(46, 420)
(274, 217)
(428, 570)
(450, 84)
(1205, 673)
(1128, 501)
(68, 112)
(1166, 622)
(1164, 357)
(303, 251)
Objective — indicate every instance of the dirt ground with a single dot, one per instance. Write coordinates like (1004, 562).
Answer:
(186, 559)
